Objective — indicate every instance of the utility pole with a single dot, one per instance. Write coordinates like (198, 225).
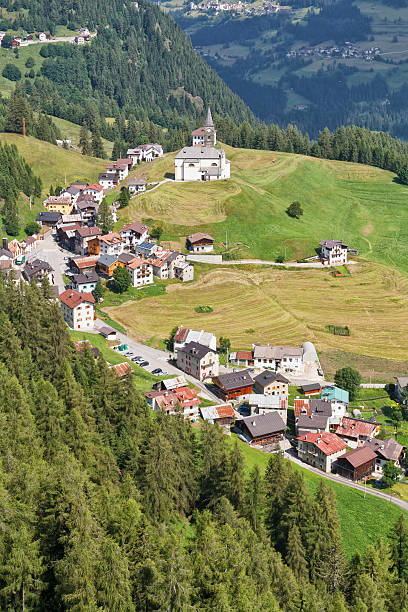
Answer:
(226, 239)
(24, 127)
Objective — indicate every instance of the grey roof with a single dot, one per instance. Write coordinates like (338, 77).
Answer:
(86, 204)
(388, 449)
(267, 377)
(195, 350)
(272, 402)
(276, 352)
(33, 268)
(106, 330)
(402, 381)
(320, 407)
(173, 255)
(138, 181)
(209, 120)
(6, 253)
(264, 424)
(72, 190)
(82, 279)
(330, 244)
(145, 245)
(194, 153)
(312, 387)
(126, 258)
(107, 260)
(48, 217)
(314, 421)
(235, 380)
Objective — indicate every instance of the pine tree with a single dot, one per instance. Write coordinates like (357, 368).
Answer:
(104, 218)
(97, 146)
(98, 291)
(84, 140)
(236, 478)
(399, 547)
(295, 554)
(255, 498)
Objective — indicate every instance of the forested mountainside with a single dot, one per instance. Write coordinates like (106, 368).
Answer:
(314, 64)
(140, 63)
(105, 506)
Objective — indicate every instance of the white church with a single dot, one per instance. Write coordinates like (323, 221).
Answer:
(202, 161)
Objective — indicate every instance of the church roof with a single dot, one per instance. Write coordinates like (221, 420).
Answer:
(193, 153)
(209, 121)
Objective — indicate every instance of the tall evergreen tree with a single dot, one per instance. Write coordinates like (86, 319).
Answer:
(84, 140)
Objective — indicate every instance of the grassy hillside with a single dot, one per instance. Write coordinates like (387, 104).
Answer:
(7, 56)
(55, 166)
(71, 131)
(363, 521)
(360, 204)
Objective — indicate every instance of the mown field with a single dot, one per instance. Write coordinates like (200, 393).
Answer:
(362, 205)
(251, 304)
(363, 521)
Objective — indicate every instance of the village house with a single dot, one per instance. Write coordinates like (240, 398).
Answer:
(286, 358)
(108, 332)
(320, 450)
(83, 265)
(221, 415)
(261, 404)
(200, 243)
(67, 237)
(311, 389)
(137, 185)
(385, 450)
(334, 411)
(43, 36)
(121, 169)
(311, 423)
(333, 252)
(335, 395)
(141, 272)
(145, 249)
(180, 400)
(122, 369)
(74, 191)
(270, 383)
(111, 244)
(145, 152)
(108, 180)
(107, 264)
(81, 345)
(15, 248)
(401, 382)
(78, 309)
(184, 271)
(5, 253)
(84, 283)
(72, 219)
(29, 243)
(128, 161)
(262, 429)
(48, 219)
(198, 360)
(61, 204)
(160, 266)
(37, 270)
(95, 190)
(135, 233)
(242, 358)
(171, 383)
(184, 336)
(233, 385)
(88, 208)
(357, 431)
(83, 236)
(356, 464)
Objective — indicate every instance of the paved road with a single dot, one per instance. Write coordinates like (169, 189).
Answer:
(390, 498)
(159, 359)
(286, 264)
(49, 250)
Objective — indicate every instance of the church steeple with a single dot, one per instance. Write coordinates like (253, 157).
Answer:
(209, 121)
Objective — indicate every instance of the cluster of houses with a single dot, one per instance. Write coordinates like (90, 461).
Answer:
(236, 8)
(347, 51)
(118, 170)
(83, 36)
(13, 255)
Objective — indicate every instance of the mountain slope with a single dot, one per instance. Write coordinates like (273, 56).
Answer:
(141, 62)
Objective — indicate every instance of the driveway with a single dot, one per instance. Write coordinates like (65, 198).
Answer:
(159, 359)
(291, 455)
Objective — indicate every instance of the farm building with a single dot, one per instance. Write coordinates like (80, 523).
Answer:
(262, 429)
(357, 463)
(234, 385)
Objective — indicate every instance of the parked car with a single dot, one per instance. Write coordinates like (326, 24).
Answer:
(157, 371)
(138, 358)
(144, 364)
(320, 371)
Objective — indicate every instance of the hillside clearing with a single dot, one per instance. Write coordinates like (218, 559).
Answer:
(360, 204)
(285, 307)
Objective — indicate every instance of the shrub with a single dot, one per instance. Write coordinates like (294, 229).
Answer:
(11, 72)
(204, 308)
(32, 228)
(295, 210)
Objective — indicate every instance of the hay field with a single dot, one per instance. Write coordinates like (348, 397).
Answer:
(280, 306)
(360, 204)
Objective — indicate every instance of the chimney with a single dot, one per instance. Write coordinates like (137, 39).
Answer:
(5, 243)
